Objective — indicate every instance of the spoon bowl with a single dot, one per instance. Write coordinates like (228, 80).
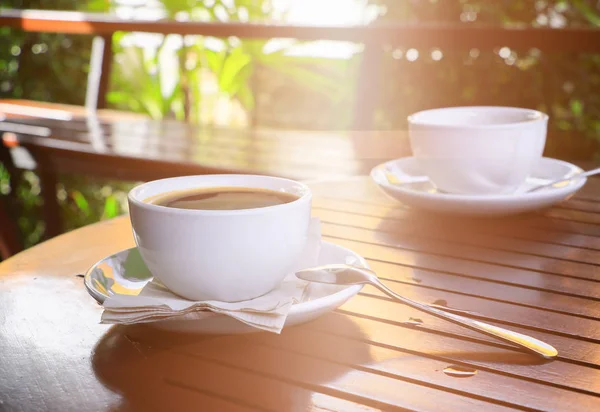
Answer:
(338, 274)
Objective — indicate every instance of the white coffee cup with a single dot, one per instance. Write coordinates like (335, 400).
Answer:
(225, 255)
(480, 149)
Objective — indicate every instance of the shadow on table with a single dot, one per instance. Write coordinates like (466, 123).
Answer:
(495, 357)
(461, 245)
(160, 370)
(439, 246)
(459, 228)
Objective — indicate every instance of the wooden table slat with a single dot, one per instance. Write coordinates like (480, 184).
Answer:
(372, 389)
(506, 314)
(406, 365)
(455, 349)
(572, 350)
(467, 269)
(194, 375)
(405, 241)
(507, 293)
(581, 205)
(517, 223)
(492, 241)
(532, 226)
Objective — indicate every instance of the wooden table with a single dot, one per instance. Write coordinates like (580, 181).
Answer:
(125, 146)
(536, 274)
(132, 147)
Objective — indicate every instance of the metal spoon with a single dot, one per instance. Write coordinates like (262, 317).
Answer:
(353, 275)
(568, 179)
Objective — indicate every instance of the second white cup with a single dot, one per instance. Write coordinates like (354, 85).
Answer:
(480, 149)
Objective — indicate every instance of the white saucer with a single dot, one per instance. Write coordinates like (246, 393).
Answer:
(403, 180)
(125, 273)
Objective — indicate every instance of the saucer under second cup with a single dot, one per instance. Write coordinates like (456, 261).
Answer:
(404, 180)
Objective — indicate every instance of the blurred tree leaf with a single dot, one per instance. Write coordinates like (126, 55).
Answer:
(246, 97)
(81, 202)
(577, 108)
(234, 70)
(215, 59)
(111, 207)
(588, 11)
(97, 5)
(172, 7)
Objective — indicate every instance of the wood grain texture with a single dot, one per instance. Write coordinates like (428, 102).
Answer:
(362, 357)
(136, 149)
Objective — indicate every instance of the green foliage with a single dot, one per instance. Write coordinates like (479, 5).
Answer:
(44, 66)
(86, 200)
(137, 85)
(27, 193)
(586, 10)
(139, 81)
(51, 67)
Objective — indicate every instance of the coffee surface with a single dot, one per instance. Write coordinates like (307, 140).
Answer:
(222, 198)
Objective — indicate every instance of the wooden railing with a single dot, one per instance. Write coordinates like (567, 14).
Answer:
(373, 36)
(421, 35)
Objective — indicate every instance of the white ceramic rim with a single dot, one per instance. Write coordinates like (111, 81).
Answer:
(536, 116)
(542, 194)
(131, 196)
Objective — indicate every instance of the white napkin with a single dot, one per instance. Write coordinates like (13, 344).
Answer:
(268, 312)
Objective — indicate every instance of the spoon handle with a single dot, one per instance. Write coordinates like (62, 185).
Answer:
(574, 177)
(531, 344)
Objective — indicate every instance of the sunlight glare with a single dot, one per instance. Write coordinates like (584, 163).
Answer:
(321, 13)
(328, 12)
(412, 55)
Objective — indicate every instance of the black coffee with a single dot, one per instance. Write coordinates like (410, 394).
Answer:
(222, 198)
